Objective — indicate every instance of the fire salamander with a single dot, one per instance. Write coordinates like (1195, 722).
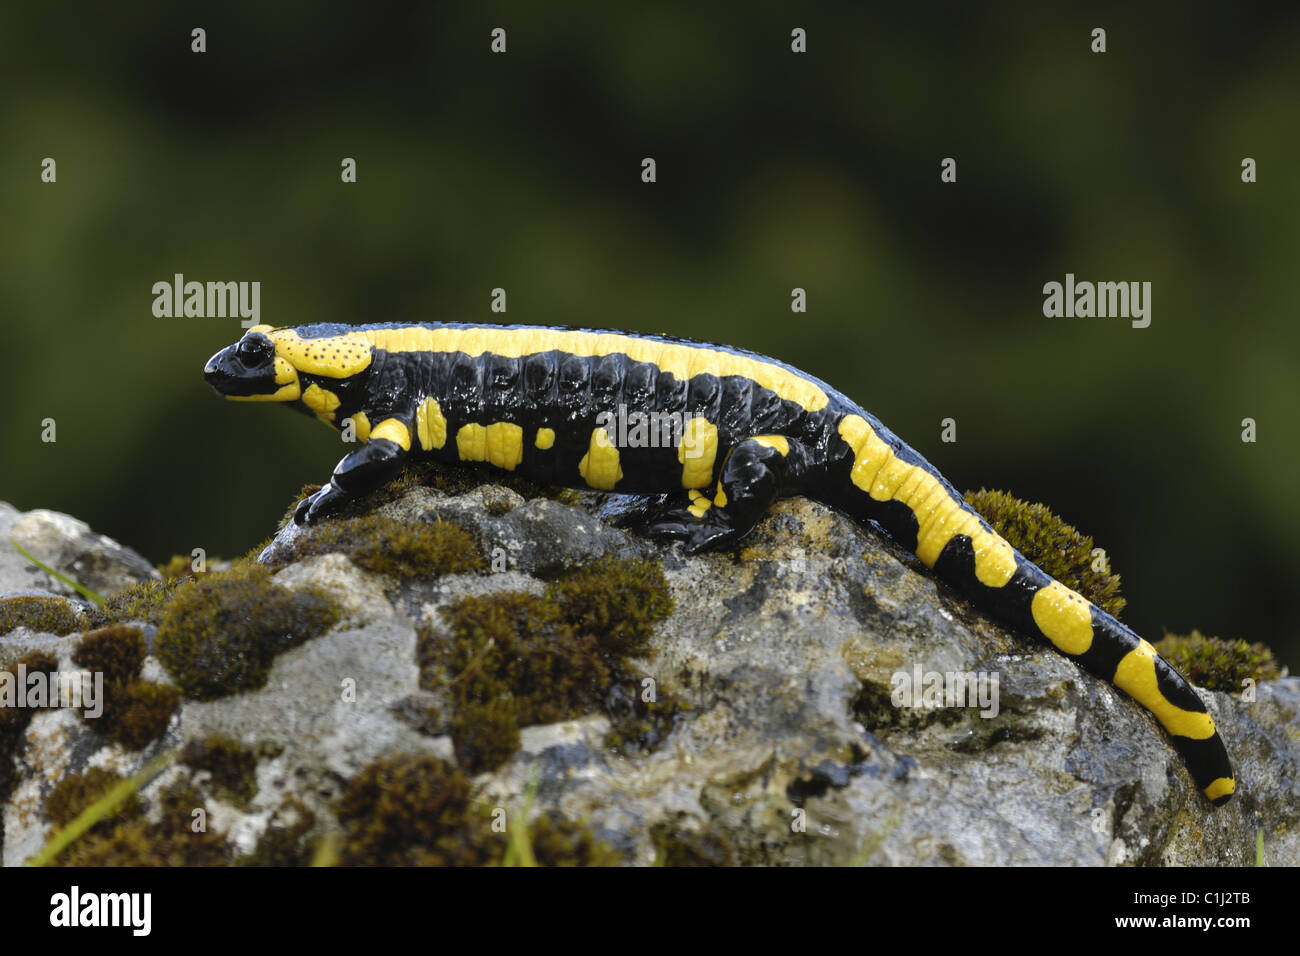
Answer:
(735, 431)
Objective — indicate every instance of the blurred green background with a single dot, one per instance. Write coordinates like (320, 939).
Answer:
(775, 170)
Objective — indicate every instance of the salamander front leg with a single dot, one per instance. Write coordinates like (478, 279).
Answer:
(356, 475)
(756, 472)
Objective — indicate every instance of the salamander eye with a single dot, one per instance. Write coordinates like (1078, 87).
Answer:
(254, 350)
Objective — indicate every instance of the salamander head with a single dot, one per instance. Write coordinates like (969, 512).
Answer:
(251, 371)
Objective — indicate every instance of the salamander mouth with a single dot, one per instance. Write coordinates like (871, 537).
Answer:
(273, 379)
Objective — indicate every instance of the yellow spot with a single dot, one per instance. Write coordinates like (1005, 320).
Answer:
(1064, 616)
(940, 517)
(362, 425)
(430, 426)
(697, 451)
(500, 444)
(1136, 676)
(333, 356)
(699, 504)
(321, 401)
(545, 438)
(393, 430)
(720, 499)
(774, 441)
(1221, 787)
(599, 466)
(286, 377)
(683, 361)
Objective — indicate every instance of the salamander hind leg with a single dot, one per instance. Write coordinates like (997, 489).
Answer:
(755, 473)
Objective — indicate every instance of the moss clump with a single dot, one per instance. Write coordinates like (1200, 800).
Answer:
(287, 838)
(232, 765)
(137, 712)
(49, 615)
(77, 791)
(617, 600)
(485, 734)
(418, 811)
(116, 651)
(177, 567)
(413, 811)
(557, 842)
(1217, 664)
(509, 660)
(139, 602)
(220, 634)
(387, 546)
(1056, 547)
(172, 841)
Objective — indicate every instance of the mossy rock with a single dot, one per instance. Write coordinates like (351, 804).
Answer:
(387, 546)
(232, 765)
(221, 633)
(116, 651)
(77, 791)
(513, 659)
(1058, 548)
(1218, 664)
(170, 841)
(419, 811)
(49, 615)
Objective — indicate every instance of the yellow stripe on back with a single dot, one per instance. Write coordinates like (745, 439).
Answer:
(940, 517)
(1136, 676)
(683, 361)
(1064, 617)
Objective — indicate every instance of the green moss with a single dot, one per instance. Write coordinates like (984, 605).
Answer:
(136, 712)
(387, 546)
(675, 846)
(116, 651)
(418, 811)
(618, 600)
(287, 840)
(76, 791)
(413, 811)
(485, 734)
(221, 633)
(557, 842)
(172, 841)
(177, 567)
(511, 660)
(232, 765)
(49, 615)
(1218, 664)
(140, 602)
(1056, 547)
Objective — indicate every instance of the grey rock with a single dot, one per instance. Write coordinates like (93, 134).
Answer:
(787, 749)
(69, 546)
